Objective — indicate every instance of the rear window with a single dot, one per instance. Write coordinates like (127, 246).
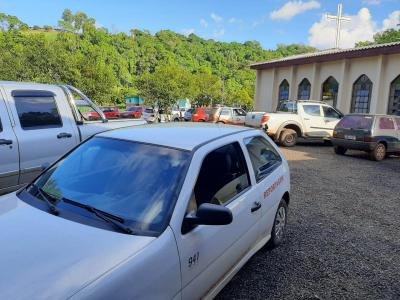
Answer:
(356, 122)
(149, 110)
(287, 107)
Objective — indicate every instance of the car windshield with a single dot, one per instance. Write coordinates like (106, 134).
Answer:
(134, 181)
(149, 110)
(356, 122)
(287, 107)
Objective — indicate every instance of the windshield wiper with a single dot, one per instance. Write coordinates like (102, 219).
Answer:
(109, 218)
(46, 197)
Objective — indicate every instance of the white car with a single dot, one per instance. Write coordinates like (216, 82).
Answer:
(136, 213)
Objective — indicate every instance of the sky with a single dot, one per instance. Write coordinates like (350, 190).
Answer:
(270, 22)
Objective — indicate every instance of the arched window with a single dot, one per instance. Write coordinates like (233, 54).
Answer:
(304, 90)
(283, 91)
(394, 97)
(361, 98)
(330, 89)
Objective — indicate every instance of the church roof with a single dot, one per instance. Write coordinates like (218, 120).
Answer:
(329, 55)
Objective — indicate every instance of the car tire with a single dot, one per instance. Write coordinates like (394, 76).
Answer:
(339, 150)
(379, 152)
(288, 138)
(220, 122)
(201, 120)
(279, 228)
(176, 120)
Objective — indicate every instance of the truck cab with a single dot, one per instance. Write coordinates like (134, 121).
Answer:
(39, 123)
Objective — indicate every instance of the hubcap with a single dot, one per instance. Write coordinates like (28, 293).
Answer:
(289, 138)
(280, 223)
(380, 152)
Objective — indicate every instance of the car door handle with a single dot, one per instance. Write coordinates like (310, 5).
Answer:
(5, 142)
(257, 206)
(64, 135)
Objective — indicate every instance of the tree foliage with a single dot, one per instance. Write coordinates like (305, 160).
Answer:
(111, 66)
(383, 37)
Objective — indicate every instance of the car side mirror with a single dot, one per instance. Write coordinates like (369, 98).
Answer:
(207, 214)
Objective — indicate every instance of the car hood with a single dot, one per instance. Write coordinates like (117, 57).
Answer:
(44, 256)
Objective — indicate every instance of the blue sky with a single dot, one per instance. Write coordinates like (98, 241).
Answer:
(268, 21)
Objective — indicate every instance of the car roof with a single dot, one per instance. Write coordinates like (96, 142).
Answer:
(186, 136)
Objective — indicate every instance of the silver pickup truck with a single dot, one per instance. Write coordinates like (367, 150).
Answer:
(38, 124)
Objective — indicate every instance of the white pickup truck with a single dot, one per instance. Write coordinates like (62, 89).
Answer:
(294, 119)
(38, 124)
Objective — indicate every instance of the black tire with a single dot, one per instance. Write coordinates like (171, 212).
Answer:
(176, 120)
(339, 150)
(288, 138)
(278, 235)
(379, 152)
(220, 122)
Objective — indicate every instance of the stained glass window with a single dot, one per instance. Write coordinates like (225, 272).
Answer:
(361, 98)
(394, 97)
(304, 90)
(330, 89)
(284, 91)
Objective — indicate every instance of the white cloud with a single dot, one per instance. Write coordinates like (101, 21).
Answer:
(235, 20)
(362, 27)
(188, 31)
(203, 23)
(219, 32)
(392, 21)
(293, 8)
(216, 18)
(371, 2)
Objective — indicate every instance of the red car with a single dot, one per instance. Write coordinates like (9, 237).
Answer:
(111, 112)
(133, 112)
(201, 114)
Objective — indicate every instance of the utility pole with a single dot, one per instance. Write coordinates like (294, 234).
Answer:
(339, 19)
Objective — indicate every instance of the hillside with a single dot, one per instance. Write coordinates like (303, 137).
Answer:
(111, 66)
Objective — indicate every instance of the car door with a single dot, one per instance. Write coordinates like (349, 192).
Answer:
(207, 253)
(313, 120)
(387, 132)
(239, 116)
(331, 118)
(44, 126)
(9, 156)
(270, 176)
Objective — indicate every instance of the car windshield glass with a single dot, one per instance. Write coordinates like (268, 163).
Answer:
(136, 182)
(287, 107)
(356, 122)
(149, 110)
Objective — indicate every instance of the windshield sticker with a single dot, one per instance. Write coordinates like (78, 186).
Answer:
(273, 187)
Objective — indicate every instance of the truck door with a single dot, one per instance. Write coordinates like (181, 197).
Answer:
(44, 126)
(9, 157)
(314, 121)
(239, 116)
(331, 118)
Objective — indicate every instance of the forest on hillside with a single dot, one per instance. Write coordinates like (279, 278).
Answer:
(108, 67)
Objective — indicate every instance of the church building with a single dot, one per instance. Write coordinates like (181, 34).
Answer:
(357, 80)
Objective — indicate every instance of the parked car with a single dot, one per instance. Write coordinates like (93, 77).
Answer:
(188, 114)
(133, 112)
(151, 115)
(209, 199)
(378, 135)
(257, 119)
(39, 123)
(305, 119)
(110, 112)
(227, 115)
(201, 114)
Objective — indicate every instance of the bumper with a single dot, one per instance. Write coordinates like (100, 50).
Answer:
(355, 145)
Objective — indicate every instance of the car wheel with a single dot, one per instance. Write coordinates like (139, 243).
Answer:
(220, 122)
(201, 120)
(288, 138)
(279, 228)
(339, 150)
(176, 120)
(378, 153)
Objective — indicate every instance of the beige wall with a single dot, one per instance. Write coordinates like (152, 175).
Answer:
(381, 70)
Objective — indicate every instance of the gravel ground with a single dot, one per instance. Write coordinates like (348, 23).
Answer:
(343, 234)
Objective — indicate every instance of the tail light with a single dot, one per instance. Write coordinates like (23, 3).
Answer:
(265, 119)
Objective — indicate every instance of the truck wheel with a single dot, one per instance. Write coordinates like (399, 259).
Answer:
(288, 138)
(378, 153)
(339, 150)
(279, 228)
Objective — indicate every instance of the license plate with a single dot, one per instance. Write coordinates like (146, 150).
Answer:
(350, 137)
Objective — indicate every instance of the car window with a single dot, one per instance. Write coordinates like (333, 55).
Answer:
(222, 176)
(386, 123)
(37, 112)
(1, 126)
(287, 107)
(135, 181)
(149, 110)
(398, 123)
(329, 112)
(264, 158)
(239, 112)
(312, 110)
(225, 112)
(356, 122)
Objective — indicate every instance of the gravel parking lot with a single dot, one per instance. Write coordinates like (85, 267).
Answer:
(343, 235)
